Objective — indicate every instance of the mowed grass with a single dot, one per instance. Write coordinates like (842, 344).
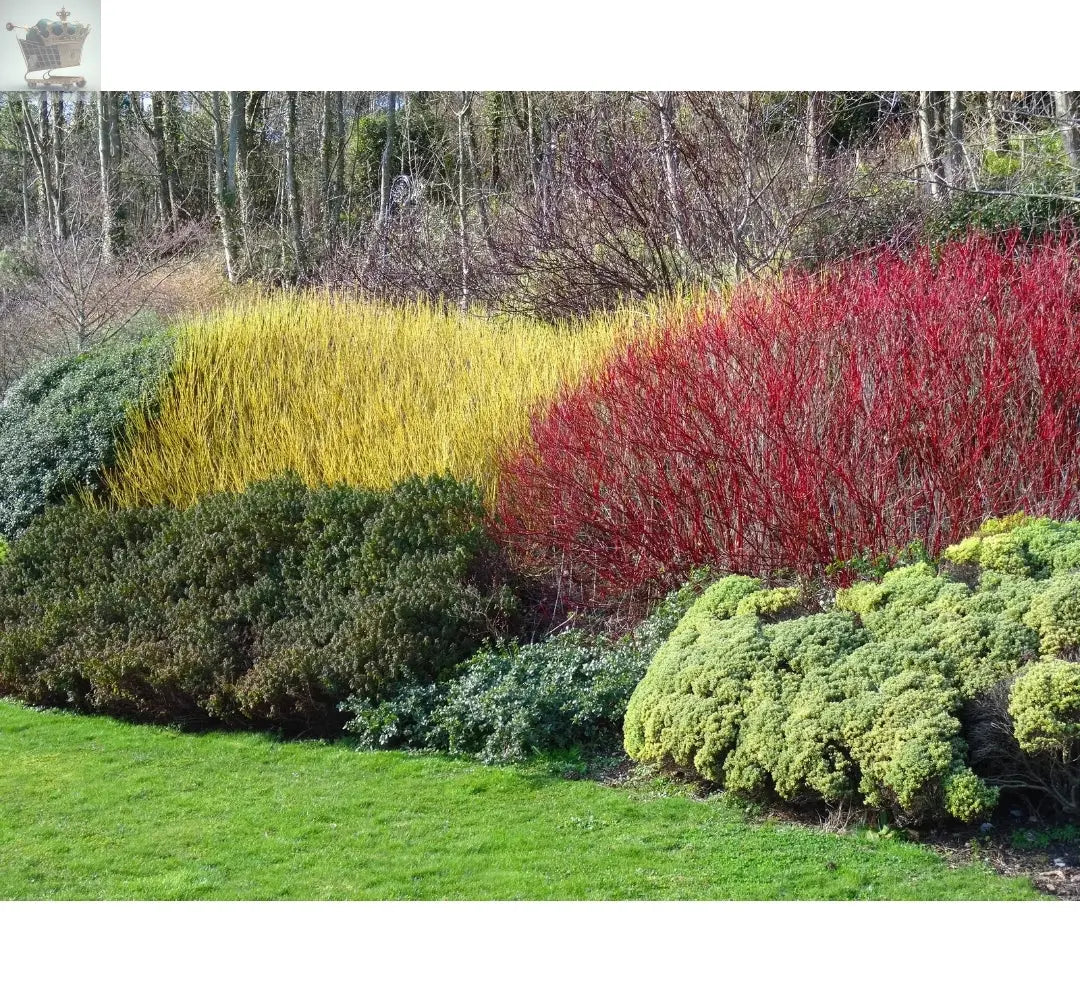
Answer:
(97, 809)
(344, 390)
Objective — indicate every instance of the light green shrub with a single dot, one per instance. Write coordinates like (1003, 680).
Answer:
(769, 602)
(689, 706)
(903, 731)
(967, 796)
(1045, 706)
(882, 697)
(793, 713)
(1054, 613)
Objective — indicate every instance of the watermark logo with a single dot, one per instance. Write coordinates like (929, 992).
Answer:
(55, 50)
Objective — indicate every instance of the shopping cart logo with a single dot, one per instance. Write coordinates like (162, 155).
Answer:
(52, 45)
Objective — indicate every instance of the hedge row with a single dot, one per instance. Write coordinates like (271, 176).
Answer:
(512, 702)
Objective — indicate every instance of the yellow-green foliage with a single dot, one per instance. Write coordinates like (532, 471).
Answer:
(346, 390)
(1045, 706)
(768, 602)
(1020, 545)
(809, 707)
(1055, 614)
(689, 706)
(868, 700)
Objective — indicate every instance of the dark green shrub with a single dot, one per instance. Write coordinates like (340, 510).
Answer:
(268, 607)
(921, 694)
(59, 423)
(514, 702)
(1031, 215)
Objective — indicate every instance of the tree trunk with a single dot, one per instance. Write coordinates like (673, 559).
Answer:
(495, 138)
(33, 148)
(239, 171)
(78, 114)
(337, 195)
(292, 190)
(110, 231)
(1067, 112)
(814, 133)
(161, 159)
(56, 125)
(930, 135)
(326, 168)
(666, 105)
(386, 167)
(222, 204)
(26, 183)
(48, 177)
(530, 144)
(954, 162)
(169, 119)
(463, 229)
(545, 169)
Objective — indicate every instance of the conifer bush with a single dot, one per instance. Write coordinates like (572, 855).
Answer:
(922, 694)
(263, 608)
(827, 418)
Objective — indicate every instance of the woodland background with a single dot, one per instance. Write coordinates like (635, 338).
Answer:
(551, 204)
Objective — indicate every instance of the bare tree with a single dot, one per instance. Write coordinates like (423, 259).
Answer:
(386, 172)
(462, 211)
(39, 138)
(931, 135)
(954, 157)
(292, 188)
(814, 115)
(1067, 112)
(238, 175)
(665, 103)
(112, 232)
(154, 128)
(223, 202)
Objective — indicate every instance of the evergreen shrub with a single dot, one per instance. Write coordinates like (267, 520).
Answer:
(263, 608)
(922, 694)
(512, 702)
(60, 423)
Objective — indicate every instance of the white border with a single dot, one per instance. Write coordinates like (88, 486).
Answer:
(549, 954)
(587, 45)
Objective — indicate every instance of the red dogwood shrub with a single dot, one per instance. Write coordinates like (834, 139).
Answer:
(889, 401)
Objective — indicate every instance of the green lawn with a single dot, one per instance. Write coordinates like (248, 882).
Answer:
(95, 809)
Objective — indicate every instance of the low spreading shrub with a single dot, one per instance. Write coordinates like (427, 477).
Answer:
(514, 702)
(59, 423)
(922, 694)
(268, 607)
(833, 417)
